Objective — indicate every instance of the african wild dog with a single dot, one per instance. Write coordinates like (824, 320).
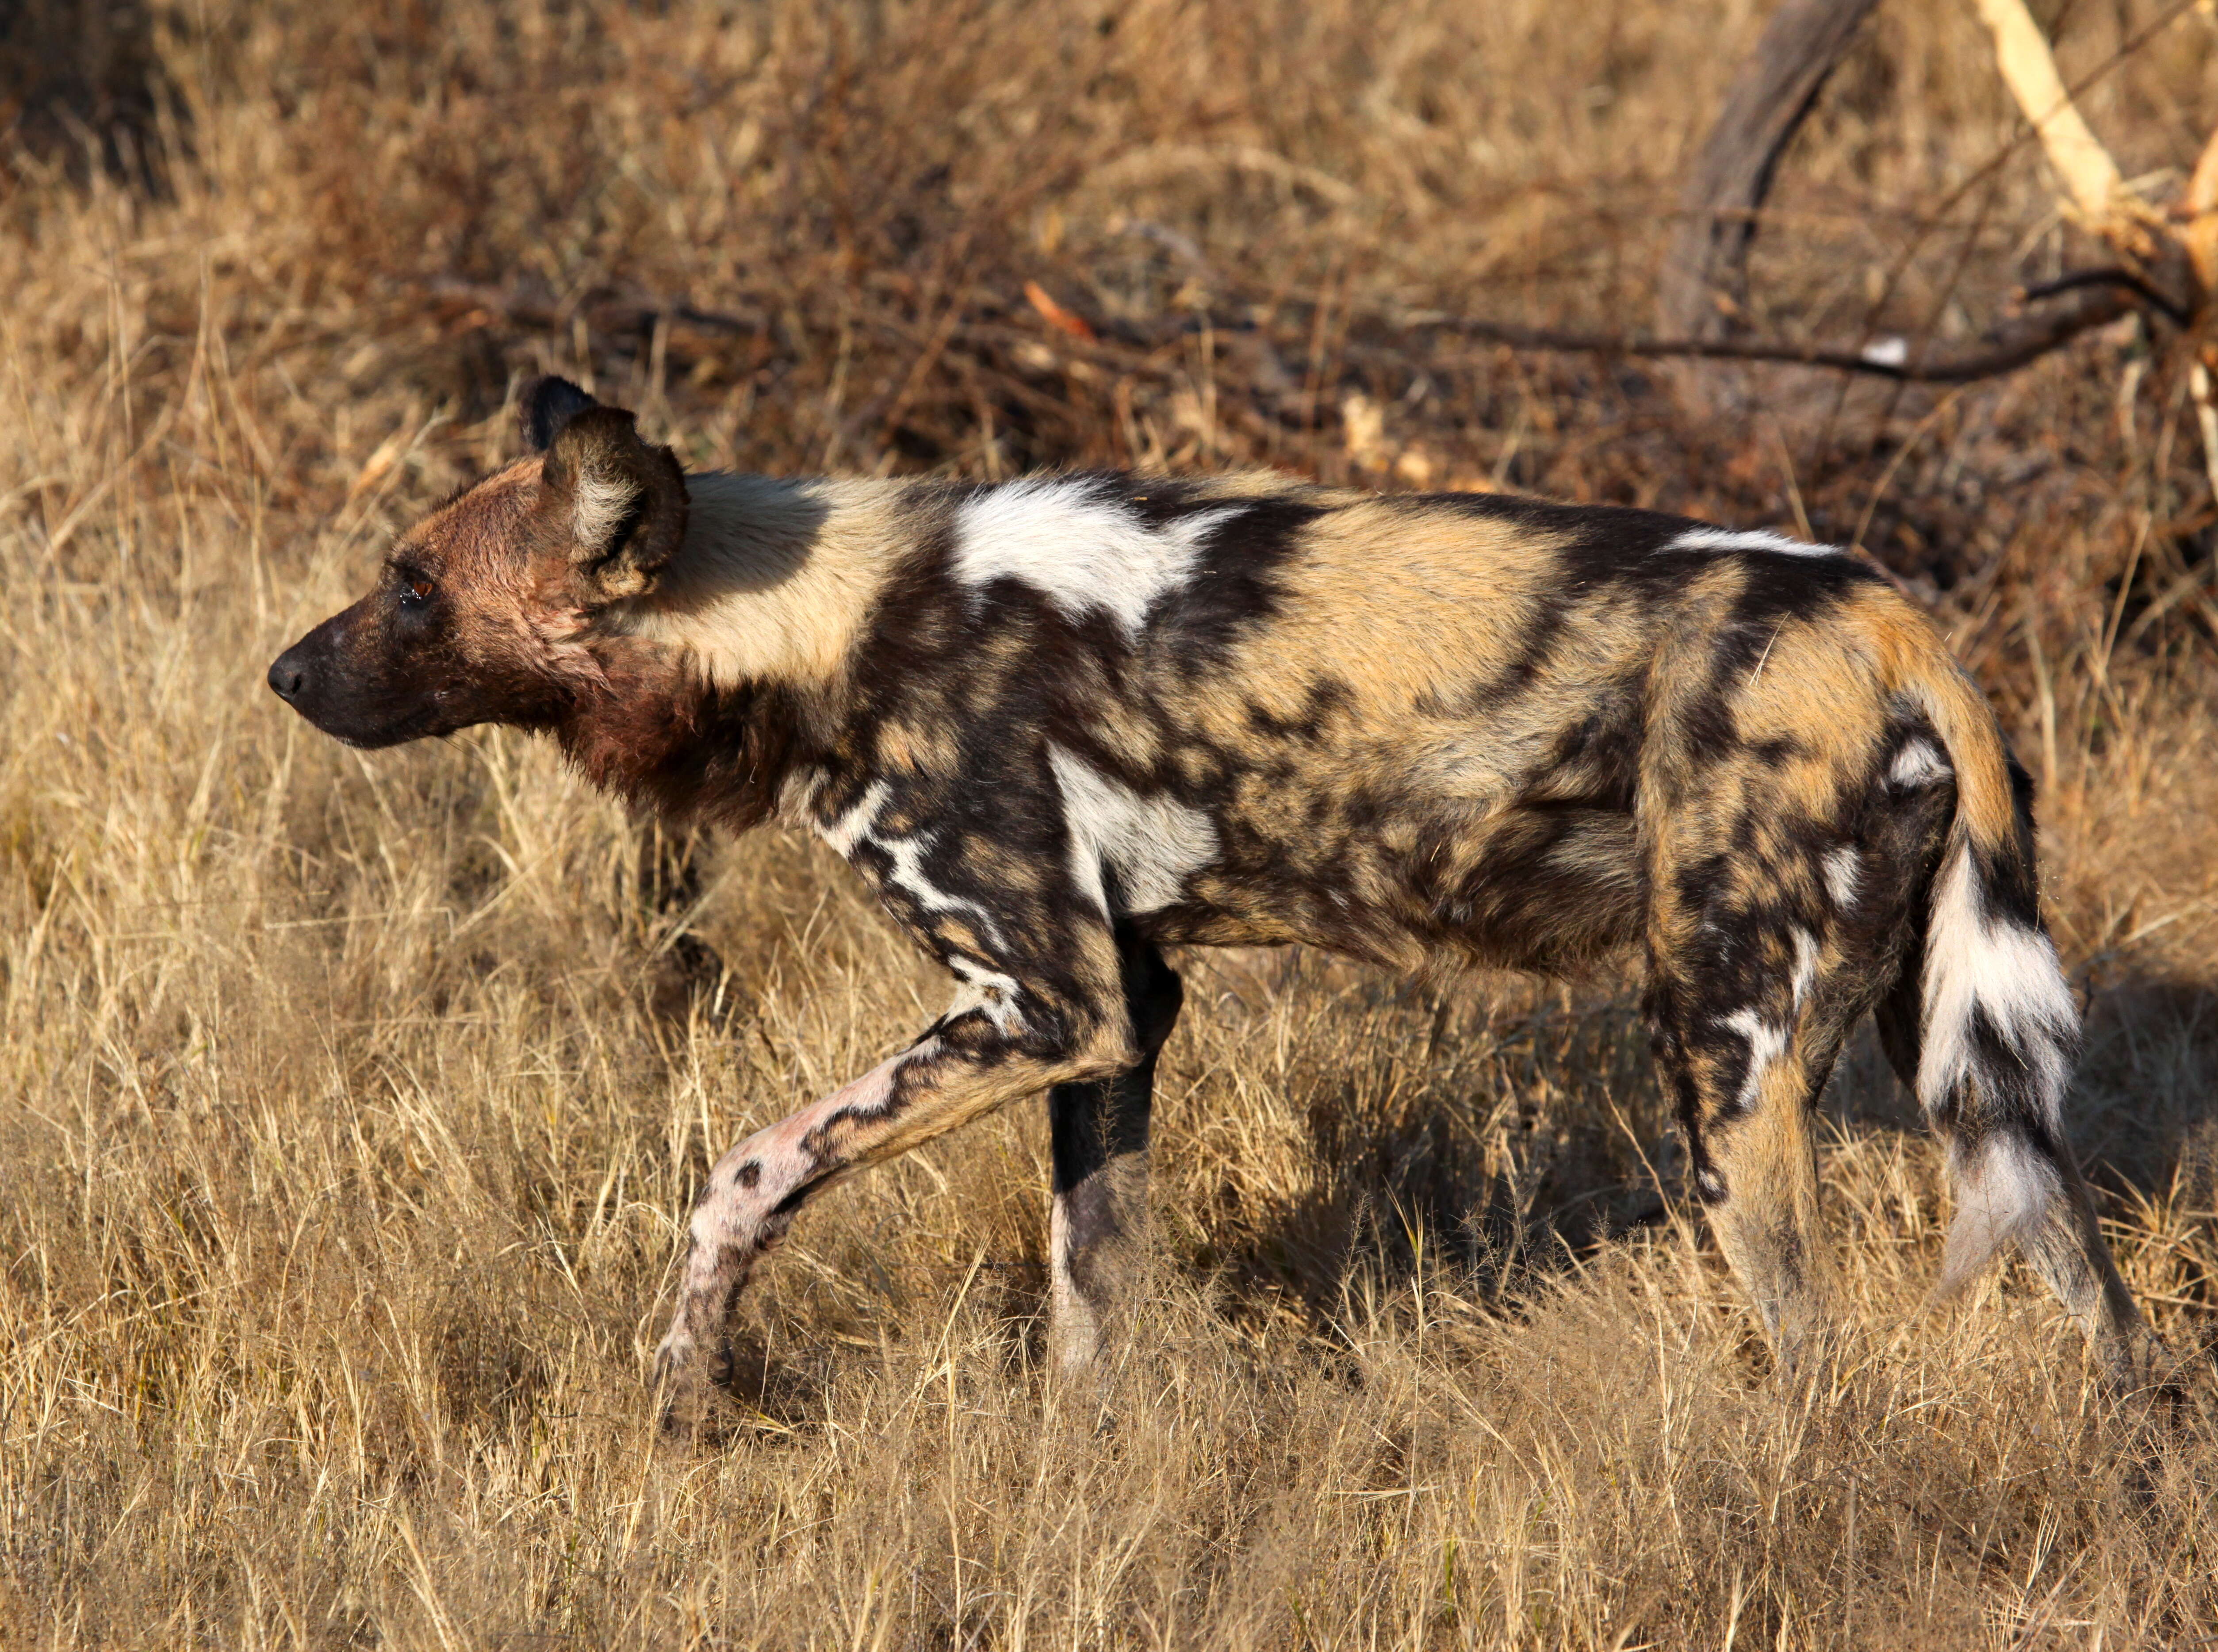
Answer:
(1062, 722)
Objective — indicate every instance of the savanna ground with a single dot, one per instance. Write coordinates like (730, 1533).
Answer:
(349, 1104)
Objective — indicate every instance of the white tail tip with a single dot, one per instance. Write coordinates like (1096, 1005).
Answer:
(2003, 1191)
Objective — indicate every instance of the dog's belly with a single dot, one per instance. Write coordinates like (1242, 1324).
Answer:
(1550, 889)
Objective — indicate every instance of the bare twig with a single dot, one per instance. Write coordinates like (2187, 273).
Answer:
(2005, 348)
(2096, 297)
(2112, 276)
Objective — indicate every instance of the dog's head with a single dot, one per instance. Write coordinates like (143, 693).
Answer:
(481, 611)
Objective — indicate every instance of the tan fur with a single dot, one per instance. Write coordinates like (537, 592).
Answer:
(1771, 1230)
(1917, 663)
(1398, 605)
(775, 578)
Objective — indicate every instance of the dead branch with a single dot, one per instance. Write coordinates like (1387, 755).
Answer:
(2096, 297)
(1704, 281)
(2113, 275)
(2161, 270)
(2005, 348)
(2158, 253)
(2091, 181)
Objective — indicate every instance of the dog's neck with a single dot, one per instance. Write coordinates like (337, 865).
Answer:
(713, 681)
(656, 734)
(774, 581)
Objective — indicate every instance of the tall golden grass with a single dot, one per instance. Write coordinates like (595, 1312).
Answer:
(349, 1104)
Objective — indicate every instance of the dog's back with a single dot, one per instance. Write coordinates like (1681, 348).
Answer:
(1404, 727)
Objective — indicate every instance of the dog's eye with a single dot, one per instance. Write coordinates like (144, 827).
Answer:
(415, 589)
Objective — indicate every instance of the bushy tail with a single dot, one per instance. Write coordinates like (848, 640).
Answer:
(1998, 1027)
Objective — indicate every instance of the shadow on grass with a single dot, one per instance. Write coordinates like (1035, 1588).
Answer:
(1531, 1139)
(1502, 1149)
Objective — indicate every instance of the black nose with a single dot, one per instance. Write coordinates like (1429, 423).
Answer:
(286, 678)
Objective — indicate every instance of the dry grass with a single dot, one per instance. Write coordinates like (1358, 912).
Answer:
(349, 1102)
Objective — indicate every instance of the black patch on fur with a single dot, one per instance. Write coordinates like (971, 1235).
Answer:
(1555, 889)
(1233, 586)
(1322, 701)
(1782, 589)
(2009, 880)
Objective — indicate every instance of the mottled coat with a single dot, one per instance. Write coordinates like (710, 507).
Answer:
(1062, 723)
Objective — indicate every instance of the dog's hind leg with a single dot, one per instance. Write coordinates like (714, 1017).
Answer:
(1746, 1013)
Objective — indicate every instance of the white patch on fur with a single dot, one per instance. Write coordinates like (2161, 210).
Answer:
(1843, 872)
(853, 829)
(597, 507)
(989, 992)
(1748, 539)
(1765, 1044)
(850, 828)
(2011, 973)
(1918, 764)
(2003, 1190)
(1078, 549)
(1154, 843)
(907, 873)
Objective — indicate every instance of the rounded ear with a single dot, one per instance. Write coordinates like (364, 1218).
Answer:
(617, 504)
(549, 404)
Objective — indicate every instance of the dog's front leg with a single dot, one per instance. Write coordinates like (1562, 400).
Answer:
(1021, 1036)
(741, 1211)
(1099, 1134)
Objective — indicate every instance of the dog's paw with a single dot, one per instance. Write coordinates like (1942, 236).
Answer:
(686, 1393)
